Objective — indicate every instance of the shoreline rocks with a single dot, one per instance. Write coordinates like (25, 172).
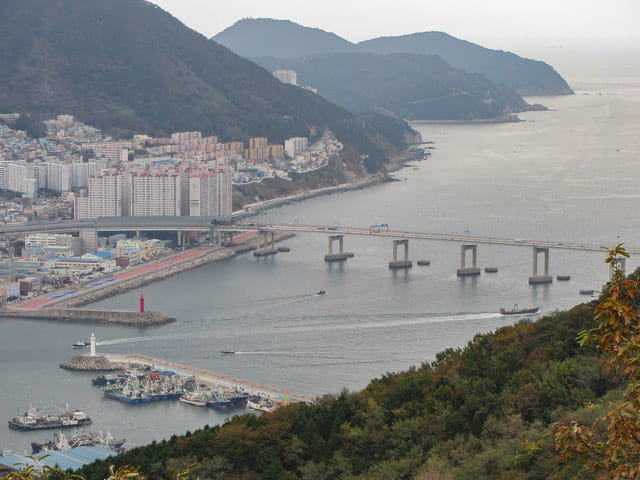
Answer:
(86, 363)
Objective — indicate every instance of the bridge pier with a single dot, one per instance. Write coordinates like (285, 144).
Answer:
(539, 279)
(406, 263)
(88, 240)
(268, 240)
(465, 271)
(341, 256)
(619, 263)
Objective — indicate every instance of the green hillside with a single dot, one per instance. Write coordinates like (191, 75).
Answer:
(127, 66)
(409, 86)
(483, 411)
(527, 76)
(264, 37)
(261, 37)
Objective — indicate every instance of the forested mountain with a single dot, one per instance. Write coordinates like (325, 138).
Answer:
(413, 87)
(485, 411)
(254, 38)
(527, 76)
(262, 37)
(127, 66)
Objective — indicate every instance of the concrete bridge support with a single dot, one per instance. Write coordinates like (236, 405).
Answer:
(341, 256)
(538, 279)
(619, 263)
(226, 238)
(88, 240)
(406, 263)
(268, 245)
(465, 271)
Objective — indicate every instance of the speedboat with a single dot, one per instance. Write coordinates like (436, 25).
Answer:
(227, 352)
(321, 292)
(80, 344)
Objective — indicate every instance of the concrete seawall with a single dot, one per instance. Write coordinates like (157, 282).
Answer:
(108, 317)
(145, 279)
(214, 255)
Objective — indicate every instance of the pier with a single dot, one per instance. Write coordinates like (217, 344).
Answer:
(206, 376)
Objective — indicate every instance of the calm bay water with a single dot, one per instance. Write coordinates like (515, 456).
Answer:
(570, 174)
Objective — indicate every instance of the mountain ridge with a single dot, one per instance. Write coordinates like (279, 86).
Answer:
(497, 65)
(127, 66)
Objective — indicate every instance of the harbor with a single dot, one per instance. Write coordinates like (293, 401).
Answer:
(210, 379)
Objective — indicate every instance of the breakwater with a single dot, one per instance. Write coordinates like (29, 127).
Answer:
(208, 377)
(141, 280)
(123, 286)
(109, 317)
(98, 363)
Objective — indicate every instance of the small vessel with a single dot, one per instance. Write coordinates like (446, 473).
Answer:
(520, 311)
(80, 344)
(37, 420)
(262, 404)
(227, 352)
(197, 398)
(61, 442)
(220, 401)
(320, 292)
(284, 249)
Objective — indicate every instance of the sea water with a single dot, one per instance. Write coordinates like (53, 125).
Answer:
(568, 174)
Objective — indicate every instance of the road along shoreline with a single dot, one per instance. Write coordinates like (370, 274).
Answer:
(48, 307)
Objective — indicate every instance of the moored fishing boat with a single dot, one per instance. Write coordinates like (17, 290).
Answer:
(34, 419)
(61, 442)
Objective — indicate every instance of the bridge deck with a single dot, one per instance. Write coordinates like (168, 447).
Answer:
(204, 223)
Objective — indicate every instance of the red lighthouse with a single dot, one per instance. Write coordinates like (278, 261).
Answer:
(141, 303)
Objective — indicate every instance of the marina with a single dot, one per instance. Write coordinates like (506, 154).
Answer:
(209, 378)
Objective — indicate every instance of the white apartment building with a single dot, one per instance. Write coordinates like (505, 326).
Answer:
(18, 178)
(153, 194)
(287, 76)
(80, 173)
(294, 146)
(110, 150)
(58, 176)
(104, 198)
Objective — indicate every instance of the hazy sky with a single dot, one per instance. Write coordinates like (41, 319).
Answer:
(474, 20)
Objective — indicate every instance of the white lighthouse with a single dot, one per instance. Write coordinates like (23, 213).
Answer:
(92, 341)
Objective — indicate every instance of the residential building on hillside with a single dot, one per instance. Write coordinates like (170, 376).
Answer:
(294, 146)
(287, 76)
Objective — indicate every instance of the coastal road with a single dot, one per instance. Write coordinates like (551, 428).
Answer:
(51, 298)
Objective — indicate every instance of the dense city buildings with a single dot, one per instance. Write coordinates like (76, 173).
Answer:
(184, 174)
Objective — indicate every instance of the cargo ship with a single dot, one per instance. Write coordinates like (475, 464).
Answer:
(36, 420)
(520, 311)
(62, 443)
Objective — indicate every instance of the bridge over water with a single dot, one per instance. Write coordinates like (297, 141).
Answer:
(89, 230)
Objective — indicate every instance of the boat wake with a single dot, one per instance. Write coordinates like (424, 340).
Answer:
(271, 352)
(125, 340)
(348, 322)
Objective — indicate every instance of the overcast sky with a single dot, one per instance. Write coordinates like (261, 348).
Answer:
(473, 20)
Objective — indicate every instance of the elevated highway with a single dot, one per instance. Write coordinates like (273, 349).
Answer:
(182, 224)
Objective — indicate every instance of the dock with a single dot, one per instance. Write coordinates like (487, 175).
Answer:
(208, 377)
